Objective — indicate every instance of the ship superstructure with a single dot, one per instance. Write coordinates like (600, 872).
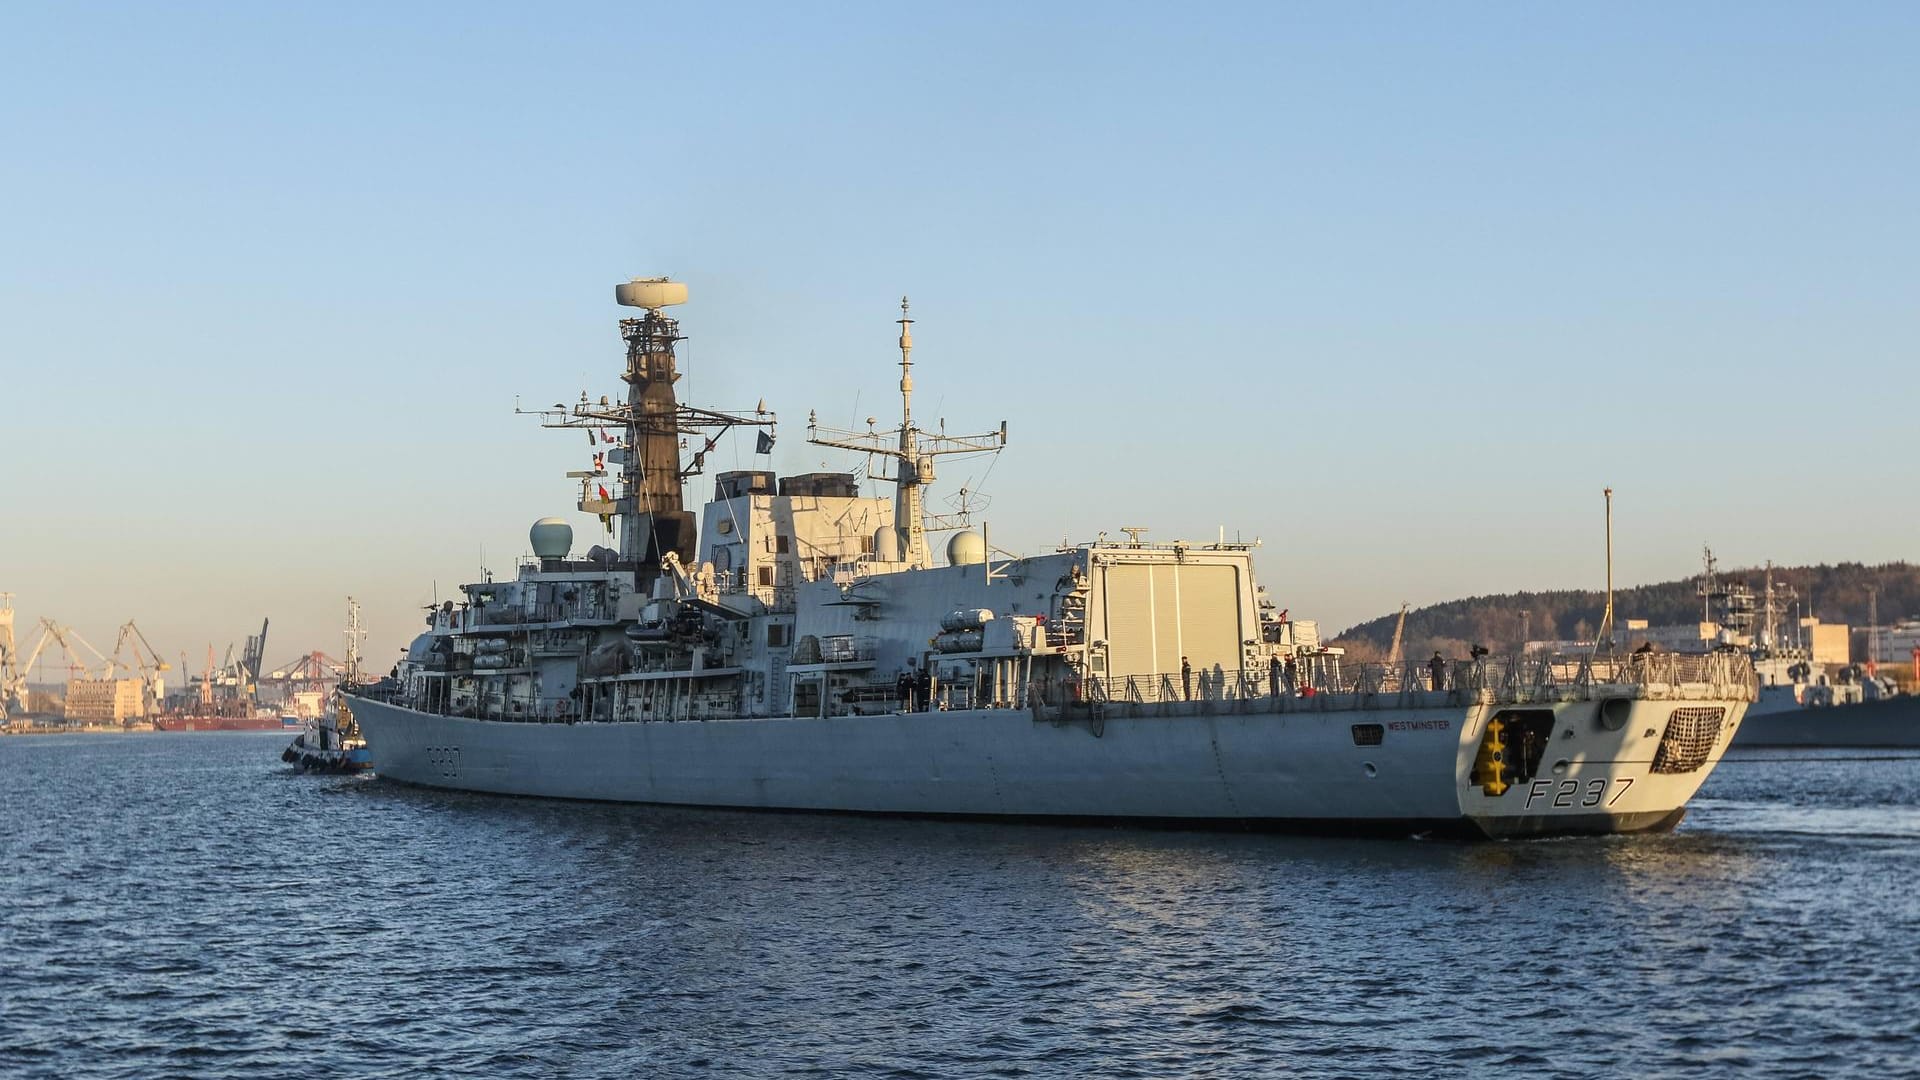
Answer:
(1802, 702)
(803, 647)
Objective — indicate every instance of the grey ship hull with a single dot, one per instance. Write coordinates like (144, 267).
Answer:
(1892, 722)
(1286, 769)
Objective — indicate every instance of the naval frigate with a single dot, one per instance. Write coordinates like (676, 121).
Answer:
(798, 647)
(1801, 703)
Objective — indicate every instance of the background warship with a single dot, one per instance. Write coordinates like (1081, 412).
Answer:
(798, 647)
(1802, 702)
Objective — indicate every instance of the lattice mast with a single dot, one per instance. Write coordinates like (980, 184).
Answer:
(912, 452)
(1773, 609)
(647, 473)
(350, 676)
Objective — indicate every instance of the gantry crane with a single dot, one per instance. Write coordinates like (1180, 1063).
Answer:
(311, 672)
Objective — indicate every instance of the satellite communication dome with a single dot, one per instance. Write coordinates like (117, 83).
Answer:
(551, 537)
(650, 293)
(966, 549)
(886, 544)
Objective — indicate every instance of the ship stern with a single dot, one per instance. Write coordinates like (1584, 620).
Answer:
(1618, 761)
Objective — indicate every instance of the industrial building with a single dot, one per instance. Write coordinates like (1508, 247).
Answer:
(1898, 642)
(1826, 643)
(91, 701)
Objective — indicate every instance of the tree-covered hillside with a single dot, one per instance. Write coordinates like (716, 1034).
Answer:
(1833, 593)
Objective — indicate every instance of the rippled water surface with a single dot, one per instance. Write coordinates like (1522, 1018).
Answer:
(184, 905)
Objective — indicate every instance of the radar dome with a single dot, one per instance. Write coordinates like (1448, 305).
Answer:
(650, 293)
(551, 537)
(886, 544)
(966, 549)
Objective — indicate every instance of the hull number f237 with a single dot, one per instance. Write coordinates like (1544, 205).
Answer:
(1568, 794)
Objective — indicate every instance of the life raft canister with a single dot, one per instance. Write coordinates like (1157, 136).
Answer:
(1490, 764)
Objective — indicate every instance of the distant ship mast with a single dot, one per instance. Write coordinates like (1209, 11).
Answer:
(1738, 610)
(351, 673)
(913, 453)
(1773, 607)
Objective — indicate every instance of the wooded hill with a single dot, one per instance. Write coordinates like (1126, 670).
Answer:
(1836, 594)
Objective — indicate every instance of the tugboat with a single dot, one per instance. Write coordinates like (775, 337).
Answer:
(331, 742)
(803, 649)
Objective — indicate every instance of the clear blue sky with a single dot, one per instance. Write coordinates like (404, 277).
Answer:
(1396, 288)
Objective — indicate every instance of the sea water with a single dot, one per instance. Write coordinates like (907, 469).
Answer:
(186, 905)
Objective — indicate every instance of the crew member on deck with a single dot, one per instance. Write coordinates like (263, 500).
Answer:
(1437, 667)
(1186, 679)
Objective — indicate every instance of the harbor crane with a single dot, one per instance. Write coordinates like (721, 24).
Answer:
(186, 680)
(314, 673)
(146, 661)
(14, 671)
(67, 637)
(1399, 635)
(250, 658)
(13, 692)
(237, 676)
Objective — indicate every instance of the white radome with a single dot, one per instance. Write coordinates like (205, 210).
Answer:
(551, 538)
(966, 549)
(650, 293)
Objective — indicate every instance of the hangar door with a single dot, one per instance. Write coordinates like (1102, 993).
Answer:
(1158, 612)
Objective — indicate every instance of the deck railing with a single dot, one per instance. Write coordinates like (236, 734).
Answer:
(1503, 680)
(1488, 679)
